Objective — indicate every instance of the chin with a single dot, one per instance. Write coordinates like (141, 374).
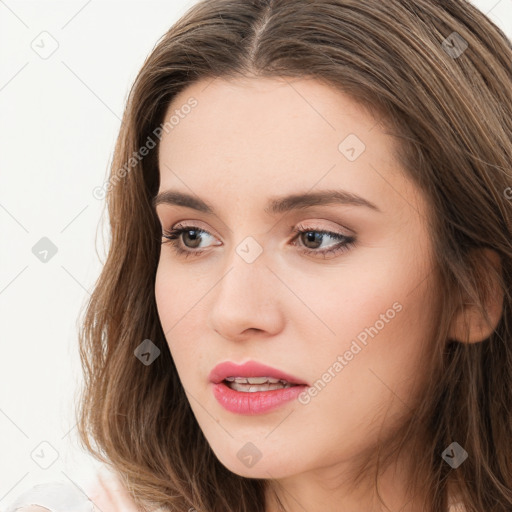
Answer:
(266, 467)
(259, 470)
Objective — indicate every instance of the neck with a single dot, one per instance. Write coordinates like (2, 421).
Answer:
(336, 489)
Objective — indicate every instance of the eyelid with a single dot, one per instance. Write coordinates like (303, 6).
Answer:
(315, 226)
(312, 225)
(196, 223)
(347, 241)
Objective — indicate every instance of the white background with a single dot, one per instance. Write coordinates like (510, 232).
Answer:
(59, 121)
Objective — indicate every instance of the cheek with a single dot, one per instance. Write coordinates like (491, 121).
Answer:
(371, 371)
(177, 297)
(377, 316)
(176, 292)
(163, 298)
(169, 301)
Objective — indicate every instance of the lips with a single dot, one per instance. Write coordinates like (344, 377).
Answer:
(250, 369)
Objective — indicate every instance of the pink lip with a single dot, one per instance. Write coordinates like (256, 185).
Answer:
(250, 369)
(257, 402)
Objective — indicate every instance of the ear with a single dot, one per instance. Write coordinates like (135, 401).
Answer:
(469, 324)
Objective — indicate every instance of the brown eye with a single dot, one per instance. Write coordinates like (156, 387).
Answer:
(188, 236)
(194, 239)
(311, 239)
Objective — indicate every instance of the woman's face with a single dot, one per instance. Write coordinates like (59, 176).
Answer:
(350, 323)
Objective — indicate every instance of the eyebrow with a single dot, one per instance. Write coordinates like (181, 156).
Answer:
(276, 205)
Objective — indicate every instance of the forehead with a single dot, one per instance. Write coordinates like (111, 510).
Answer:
(280, 113)
(259, 136)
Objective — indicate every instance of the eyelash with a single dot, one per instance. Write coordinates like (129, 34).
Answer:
(347, 242)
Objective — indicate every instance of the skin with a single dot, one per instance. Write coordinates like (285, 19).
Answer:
(244, 142)
(108, 494)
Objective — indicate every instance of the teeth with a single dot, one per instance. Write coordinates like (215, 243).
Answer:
(255, 380)
(248, 388)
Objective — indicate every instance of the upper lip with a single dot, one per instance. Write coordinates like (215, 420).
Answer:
(250, 369)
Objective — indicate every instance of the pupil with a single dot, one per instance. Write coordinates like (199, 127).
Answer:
(195, 238)
(311, 235)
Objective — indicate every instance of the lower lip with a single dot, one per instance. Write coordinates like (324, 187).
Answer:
(258, 402)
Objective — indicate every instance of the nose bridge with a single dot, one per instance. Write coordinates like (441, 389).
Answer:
(248, 277)
(246, 295)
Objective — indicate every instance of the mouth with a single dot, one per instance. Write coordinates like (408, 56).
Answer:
(252, 377)
(254, 384)
(253, 388)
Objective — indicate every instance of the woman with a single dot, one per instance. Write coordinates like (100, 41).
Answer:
(306, 303)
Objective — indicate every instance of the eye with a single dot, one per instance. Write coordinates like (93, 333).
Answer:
(317, 236)
(193, 233)
(192, 237)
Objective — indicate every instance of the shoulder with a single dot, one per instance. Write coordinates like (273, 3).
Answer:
(457, 507)
(54, 496)
(32, 508)
(103, 492)
(455, 504)
(108, 494)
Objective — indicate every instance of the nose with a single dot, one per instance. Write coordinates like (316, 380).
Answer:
(246, 302)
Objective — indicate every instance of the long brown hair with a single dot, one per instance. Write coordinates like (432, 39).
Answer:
(448, 99)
